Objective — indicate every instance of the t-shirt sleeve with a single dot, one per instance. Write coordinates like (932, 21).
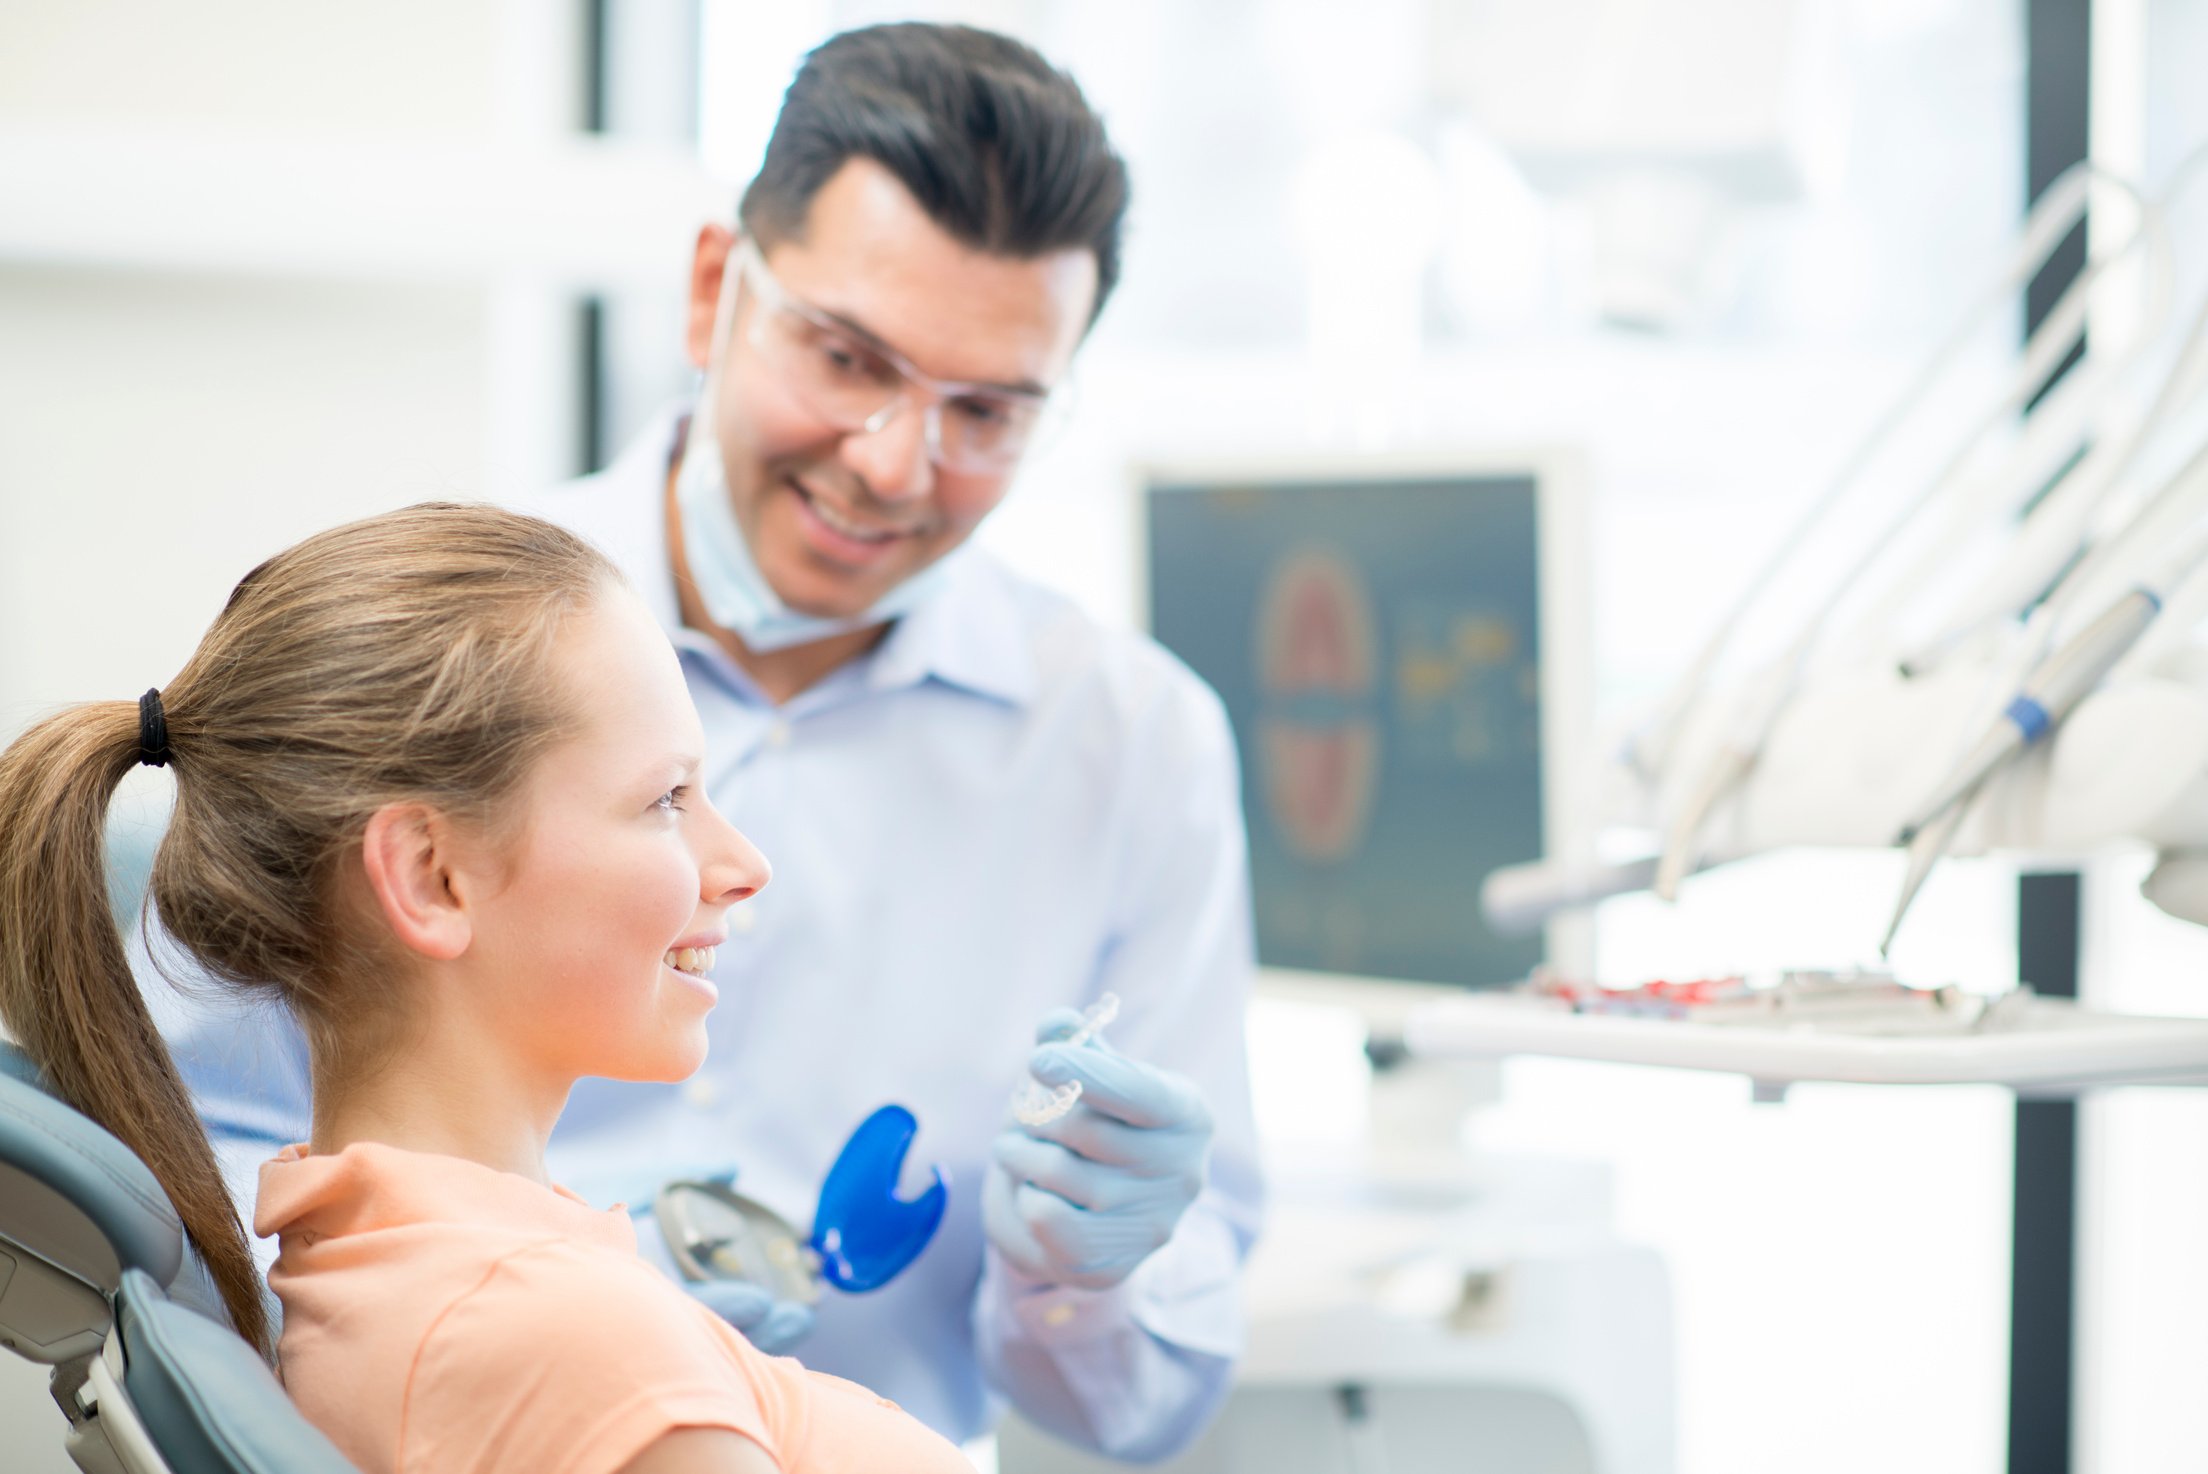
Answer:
(562, 1361)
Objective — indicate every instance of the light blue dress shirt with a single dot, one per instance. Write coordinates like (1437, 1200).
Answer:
(1004, 809)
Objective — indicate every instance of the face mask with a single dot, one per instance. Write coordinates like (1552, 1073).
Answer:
(736, 594)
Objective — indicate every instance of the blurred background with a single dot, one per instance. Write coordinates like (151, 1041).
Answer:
(265, 267)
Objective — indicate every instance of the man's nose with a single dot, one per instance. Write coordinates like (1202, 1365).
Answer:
(893, 461)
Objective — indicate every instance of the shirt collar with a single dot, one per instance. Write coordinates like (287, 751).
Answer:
(966, 635)
(369, 1186)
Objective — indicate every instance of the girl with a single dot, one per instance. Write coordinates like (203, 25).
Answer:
(436, 789)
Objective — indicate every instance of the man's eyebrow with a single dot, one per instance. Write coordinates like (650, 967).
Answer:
(1026, 387)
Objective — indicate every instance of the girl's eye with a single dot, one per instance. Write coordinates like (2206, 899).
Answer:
(672, 798)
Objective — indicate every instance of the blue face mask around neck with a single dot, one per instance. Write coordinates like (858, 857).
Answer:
(735, 592)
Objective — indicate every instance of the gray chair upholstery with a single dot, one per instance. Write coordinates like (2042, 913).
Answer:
(80, 1208)
(206, 1398)
(88, 1245)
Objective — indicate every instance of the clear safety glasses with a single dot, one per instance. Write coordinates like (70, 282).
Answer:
(858, 385)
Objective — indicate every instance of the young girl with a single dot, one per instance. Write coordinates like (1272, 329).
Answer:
(436, 789)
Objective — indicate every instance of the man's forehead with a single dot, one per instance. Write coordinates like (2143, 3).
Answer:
(871, 256)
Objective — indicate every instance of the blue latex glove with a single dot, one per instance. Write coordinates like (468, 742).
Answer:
(1084, 1199)
(774, 1326)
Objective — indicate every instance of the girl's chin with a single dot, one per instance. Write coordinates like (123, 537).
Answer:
(687, 1055)
(673, 1059)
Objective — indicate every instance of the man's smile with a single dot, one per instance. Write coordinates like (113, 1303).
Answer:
(842, 533)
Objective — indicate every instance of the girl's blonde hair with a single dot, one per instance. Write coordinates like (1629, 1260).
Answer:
(408, 657)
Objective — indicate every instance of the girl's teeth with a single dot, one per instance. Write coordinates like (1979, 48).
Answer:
(696, 960)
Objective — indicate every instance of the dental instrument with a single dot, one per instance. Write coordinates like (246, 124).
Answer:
(2045, 699)
(1926, 847)
(864, 1234)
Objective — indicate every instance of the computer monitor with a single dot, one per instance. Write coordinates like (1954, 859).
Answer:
(1401, 646)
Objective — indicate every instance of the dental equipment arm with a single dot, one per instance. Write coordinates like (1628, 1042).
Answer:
(1738, 753)
(2057, 211)
(2054, 705)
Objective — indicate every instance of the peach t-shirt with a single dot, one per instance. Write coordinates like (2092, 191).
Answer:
(441, 1316)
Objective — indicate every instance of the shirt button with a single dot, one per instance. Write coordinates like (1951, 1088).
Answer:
(742, 919)
(700, 1092)
(778, 735)
(1058, 1315)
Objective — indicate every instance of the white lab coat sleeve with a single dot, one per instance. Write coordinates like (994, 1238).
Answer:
(1135, 1372)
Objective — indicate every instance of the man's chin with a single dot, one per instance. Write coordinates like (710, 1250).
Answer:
(819, 597)
(825, 592)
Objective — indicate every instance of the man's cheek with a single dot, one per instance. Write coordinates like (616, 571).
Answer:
(966, 504)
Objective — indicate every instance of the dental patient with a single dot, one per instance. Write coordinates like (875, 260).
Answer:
(437, 790)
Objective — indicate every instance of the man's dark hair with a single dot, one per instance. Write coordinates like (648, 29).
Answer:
(998, 146)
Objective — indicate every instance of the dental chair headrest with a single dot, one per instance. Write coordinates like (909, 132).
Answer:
(77, 1208)
(209, 1400)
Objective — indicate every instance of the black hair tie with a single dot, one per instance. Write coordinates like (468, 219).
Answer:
(153, 731)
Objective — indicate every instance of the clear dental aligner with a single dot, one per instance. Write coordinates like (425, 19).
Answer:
(1037, 1104)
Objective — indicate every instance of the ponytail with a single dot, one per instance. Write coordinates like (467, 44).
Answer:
(407, 657)
(66, 989)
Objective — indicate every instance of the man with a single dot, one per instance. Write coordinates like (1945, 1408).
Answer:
(981, 808)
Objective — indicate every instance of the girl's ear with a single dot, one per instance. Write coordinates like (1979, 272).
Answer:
(409, 856)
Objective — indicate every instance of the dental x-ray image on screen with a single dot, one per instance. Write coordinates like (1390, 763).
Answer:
(1377, 642)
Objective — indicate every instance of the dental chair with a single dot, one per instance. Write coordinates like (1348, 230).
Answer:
(90, 1251)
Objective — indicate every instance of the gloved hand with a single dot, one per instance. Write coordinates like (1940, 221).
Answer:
(774, 1326)
(1084, 1199)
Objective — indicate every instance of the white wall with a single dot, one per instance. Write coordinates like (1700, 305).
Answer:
(165, 428)
(167, 418)
(164, 434)
(422, 66)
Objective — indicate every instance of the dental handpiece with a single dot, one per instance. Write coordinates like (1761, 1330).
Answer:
(1036, 1104)
(2060, 682)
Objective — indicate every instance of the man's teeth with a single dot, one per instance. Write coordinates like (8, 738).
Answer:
(697, 961)
(845, 525)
